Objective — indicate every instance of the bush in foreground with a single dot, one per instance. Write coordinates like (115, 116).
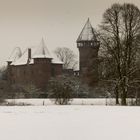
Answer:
(61, 89)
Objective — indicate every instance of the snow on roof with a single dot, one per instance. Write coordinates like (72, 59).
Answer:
(24, 58)
(21, 60)
(42, 51)
(88, 33)
(16, 54)
(55, 60)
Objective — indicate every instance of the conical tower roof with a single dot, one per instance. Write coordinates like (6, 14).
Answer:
(42, 51)
(16, 54)
(88, 33)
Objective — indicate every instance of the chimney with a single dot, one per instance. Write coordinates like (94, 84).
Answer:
(9, 63)
(29, 53)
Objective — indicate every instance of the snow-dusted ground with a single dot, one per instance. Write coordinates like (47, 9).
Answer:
(39, 102)
(81, 101)
(69, 122)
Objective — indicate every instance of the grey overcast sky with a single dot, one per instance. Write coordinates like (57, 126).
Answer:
(24, 22)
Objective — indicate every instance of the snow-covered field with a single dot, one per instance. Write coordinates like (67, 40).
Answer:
(70, 122)
(40, 102)
(79, 101)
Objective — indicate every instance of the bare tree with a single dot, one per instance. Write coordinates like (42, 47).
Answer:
(67, 56)
(120, 32)
(61, 89)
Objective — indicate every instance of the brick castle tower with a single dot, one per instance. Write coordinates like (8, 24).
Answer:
(88, 46)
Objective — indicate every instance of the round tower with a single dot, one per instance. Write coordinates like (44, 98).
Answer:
(88, 46)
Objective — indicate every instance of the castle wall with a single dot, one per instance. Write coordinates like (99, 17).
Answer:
(21, 74)
(57, 69)
(37, 74)
(42, 72)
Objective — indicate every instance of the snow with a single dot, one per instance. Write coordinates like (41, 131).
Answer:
(24, 58)
(79, 101)
(69, 123)
(42, 51)
(87, 33)
(39, 51)
(56, 60)
(15, 55)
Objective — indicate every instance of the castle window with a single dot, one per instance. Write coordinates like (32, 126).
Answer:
(80, 44)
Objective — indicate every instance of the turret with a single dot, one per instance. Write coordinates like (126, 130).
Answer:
(42, 65)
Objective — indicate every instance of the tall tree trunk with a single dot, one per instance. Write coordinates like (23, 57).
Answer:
(117, 98)
(117, 95)
(124, 88)
(123, 99)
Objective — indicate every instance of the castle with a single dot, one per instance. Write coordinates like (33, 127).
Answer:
(37, 66)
